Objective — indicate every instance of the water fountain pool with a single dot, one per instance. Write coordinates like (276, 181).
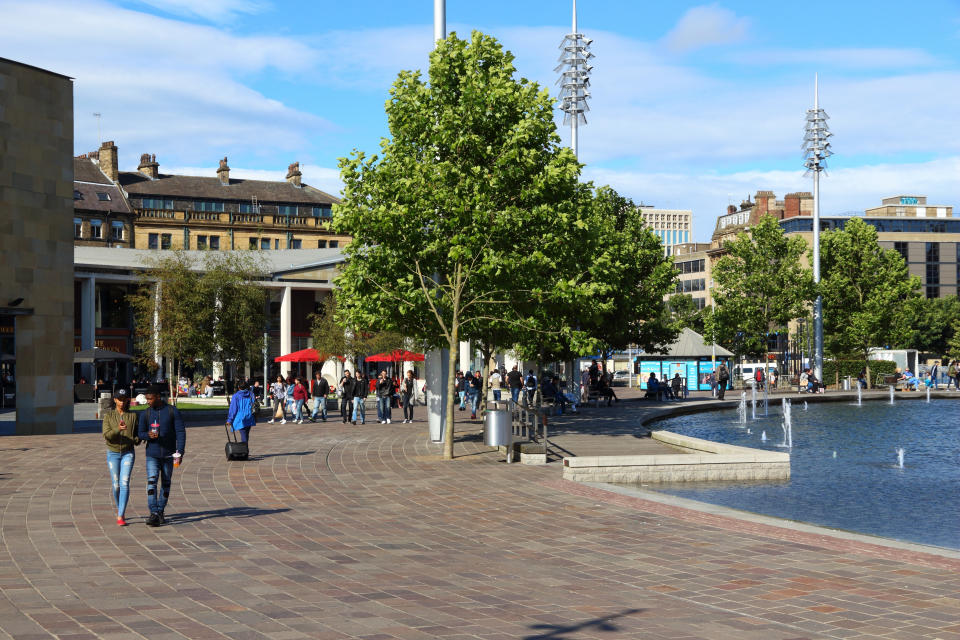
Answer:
(849, 468)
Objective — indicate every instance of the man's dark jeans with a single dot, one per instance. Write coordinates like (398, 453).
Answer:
(721, 389)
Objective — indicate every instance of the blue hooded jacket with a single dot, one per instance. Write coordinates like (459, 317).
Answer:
(241, 413)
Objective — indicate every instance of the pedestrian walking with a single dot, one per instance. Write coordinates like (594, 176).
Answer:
(278, 391)
(289, 399)
(162, 429)
(461, 382)
(530, 386)
(300, 397)
(515, 382)
(723, 377)
(495, 382)
(676, 384)
(361, 391)
(319, 389)
(346, 389)
(242, 414)
(474, 390)
(935, 374)
(384, 387)
(408, 391)
(120, 434)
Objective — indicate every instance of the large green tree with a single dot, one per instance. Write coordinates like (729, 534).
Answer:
(238, 317)
(867, 291)
(760, 286)
(931, 324)
(471, 179)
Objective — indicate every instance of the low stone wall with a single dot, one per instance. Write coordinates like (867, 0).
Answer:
(704, 461)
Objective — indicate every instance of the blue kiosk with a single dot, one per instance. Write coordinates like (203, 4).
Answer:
(689, 356)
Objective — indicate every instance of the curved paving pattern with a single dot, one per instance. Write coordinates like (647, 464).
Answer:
(362, 532)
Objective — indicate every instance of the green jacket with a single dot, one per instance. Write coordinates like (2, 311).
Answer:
(120, 441)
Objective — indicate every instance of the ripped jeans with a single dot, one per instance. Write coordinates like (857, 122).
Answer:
(161, 468)
(120, 464)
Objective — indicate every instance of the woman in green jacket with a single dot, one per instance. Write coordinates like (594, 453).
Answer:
(120, 433)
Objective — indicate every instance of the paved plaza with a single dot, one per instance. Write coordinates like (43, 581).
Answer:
(336, 531)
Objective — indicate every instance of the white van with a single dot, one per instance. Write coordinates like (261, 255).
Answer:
(748, 370)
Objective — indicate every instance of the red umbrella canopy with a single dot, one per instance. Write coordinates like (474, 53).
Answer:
(397, 356)
(306, 355)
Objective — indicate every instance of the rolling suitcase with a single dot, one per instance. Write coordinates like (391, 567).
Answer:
(234, 449)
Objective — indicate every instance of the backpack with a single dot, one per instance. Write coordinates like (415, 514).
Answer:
(531, 382)
(759, 375)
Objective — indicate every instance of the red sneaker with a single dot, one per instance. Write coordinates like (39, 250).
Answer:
(121, 522)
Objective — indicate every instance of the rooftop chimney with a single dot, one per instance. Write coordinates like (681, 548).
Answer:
(223, 172)
(148, 166)
(293, 174)
(108, 160)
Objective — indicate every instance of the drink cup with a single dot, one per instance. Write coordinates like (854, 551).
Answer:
(154, 429)
(176, 460)
(123, 425)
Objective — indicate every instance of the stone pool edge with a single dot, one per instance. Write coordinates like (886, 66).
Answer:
(773, 521)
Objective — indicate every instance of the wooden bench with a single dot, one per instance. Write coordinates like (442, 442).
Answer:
(889, 379)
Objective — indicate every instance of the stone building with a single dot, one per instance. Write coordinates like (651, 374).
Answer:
(36, 244)
(208, 212)
(102, 217)
(672, 226)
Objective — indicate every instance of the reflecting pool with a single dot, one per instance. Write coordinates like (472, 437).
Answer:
(846, 466)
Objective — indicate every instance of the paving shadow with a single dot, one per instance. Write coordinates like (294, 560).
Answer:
(560, 632)
(228, 512)
(263, 456)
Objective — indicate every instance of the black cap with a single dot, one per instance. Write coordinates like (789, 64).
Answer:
(121, 393)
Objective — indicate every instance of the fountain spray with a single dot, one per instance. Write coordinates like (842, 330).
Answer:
(928, 394)
(742, 408)
(891, 394)
(859, 396)
(900, 454)
(787, 424)
(753, 402)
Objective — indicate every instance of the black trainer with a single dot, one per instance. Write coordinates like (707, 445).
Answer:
(163, 520)
(153, 520)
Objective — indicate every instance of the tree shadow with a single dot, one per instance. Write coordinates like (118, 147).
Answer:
(561, 632)
(228, 512)
(263, 456)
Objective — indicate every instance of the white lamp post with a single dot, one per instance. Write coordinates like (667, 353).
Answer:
(816, 148)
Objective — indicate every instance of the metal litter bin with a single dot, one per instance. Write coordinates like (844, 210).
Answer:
(846, 383)
(498, 428)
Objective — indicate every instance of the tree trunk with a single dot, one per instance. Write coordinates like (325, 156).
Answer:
(454, 346)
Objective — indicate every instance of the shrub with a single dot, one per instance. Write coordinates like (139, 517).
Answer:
(852, 367)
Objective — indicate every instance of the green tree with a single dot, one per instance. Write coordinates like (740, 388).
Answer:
(173, 315)
(760, 286)
(866, 291)
(953, 344)
(684, 313)
(230, 284)
(333, 338)
(472, 178)
(930, 324)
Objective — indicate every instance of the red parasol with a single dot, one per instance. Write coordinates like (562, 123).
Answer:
(396, 356)
(307, 355)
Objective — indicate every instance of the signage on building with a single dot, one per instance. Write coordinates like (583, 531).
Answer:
(905, 200)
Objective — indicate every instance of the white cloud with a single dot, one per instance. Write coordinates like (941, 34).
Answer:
(843, 190)
(212, 10)
(706, 26)
(841, 58)
(163, 86)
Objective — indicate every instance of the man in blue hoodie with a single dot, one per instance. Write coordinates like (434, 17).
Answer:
(242, 414)
(161, 427)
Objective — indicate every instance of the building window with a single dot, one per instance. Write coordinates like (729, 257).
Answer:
(215, 243)
(933, 252)
(933, 273)
(208, 205)
(78, 228)
(156, 203)
(265, 244)
(334, 244)
(933, 292)
(153, 241)
(116, 230)
(164, 240)
(247, 207)
(201, 242)
(322, 244)
(324, 213)
(103, 196)
(296, 244)
(77, 195)
(253, 243)
(903, 249)
(96, 228)
(286, 210)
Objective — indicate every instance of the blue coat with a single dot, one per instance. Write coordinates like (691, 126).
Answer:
(172, 434)
(241, 414)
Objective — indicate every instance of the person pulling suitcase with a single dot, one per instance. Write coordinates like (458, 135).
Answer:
(241, 417)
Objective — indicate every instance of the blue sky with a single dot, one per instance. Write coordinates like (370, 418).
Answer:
(694, 104)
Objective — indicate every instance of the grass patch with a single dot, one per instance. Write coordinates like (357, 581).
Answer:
(185, 406)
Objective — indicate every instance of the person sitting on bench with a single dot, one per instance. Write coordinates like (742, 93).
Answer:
(604, 390)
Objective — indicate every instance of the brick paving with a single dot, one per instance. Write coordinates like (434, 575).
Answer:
(335, 531)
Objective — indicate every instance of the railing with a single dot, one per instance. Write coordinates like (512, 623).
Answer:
(299, 221)
(208, 216)
(247, 218)
(163, 214)
(529, 421)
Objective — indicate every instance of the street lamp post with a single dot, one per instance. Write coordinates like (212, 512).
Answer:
(574, 78)
(816, 147)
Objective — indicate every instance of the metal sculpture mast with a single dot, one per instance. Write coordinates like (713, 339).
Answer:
(574, 78)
